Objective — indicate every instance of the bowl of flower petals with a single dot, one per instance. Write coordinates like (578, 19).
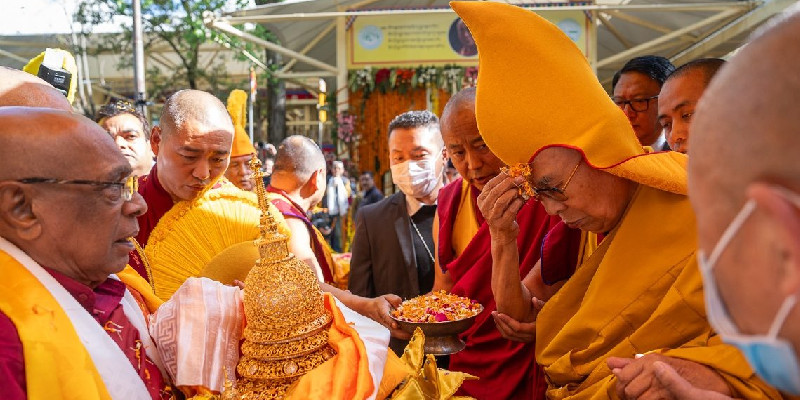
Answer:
(442, 317)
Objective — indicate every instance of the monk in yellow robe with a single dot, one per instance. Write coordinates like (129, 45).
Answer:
(637, 298)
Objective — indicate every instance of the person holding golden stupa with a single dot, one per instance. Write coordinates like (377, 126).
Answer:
(185, 230)
(636, 296)
(242, 151)
(298, 341)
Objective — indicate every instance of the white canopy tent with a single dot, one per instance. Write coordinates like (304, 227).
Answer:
(311, 33)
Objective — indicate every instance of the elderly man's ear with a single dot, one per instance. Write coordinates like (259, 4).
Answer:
(16, 212)
(155, 139)
(782, 207)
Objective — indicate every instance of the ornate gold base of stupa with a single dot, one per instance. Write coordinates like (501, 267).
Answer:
(262, 363)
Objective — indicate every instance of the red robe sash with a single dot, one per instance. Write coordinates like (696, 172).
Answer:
(507, 369)
(158, 203)
(291, 209)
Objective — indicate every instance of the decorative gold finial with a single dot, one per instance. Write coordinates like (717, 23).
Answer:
(268, 222)
(287, 323)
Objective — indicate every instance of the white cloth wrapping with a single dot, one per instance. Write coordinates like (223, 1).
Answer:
(197, 332)
(199, 328)
(376, 341)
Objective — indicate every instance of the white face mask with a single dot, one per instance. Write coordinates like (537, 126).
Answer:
(418, 178)
(771, 357)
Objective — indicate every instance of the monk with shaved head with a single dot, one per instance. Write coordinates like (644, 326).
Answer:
(297, 185)
(19, 88)
(68, 207)
(192, 145)
(745, 190)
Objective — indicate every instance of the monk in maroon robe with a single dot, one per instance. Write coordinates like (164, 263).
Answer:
(192, 145)
(507, 369)
(75, 249)
(291, 209)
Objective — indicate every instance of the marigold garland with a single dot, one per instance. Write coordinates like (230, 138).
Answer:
(375, 113)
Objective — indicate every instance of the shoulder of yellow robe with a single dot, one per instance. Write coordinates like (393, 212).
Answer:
(640, 291)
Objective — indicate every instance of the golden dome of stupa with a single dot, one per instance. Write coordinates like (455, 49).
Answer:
(287, 323)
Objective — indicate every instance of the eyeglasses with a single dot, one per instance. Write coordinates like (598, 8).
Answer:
(637, 105)
(555, 193)
(118, 190)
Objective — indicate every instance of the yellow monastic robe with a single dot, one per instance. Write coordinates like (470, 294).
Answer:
(465, 227)
(57, 365)
(640, 291)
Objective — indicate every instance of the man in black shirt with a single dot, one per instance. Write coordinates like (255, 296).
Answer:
(371, 194)
(393, 250)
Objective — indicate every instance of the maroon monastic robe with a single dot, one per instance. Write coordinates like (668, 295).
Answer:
(158, 203)
(290, 209)
(103, 303)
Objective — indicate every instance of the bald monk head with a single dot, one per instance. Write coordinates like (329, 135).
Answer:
(63, 197)
(19, 88)
(748, 137)
(465, 147)
(300, 171)
(192, 143)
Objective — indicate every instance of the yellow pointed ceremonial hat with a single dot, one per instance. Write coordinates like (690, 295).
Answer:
(537, 90)
(241, 143)
(237, 108)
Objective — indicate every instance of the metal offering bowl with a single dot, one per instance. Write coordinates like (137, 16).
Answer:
(441, 338)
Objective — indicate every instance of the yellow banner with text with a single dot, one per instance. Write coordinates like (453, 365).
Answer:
(406, 40)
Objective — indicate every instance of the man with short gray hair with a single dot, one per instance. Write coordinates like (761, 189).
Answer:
(72, 322)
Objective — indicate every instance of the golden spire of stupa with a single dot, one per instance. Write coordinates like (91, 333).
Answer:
(287, 323)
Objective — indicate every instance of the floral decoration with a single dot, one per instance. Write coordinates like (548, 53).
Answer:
(346, 126)
(362, 79)
(450, 78)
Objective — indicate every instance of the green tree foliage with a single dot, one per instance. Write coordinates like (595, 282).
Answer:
(176, 25)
